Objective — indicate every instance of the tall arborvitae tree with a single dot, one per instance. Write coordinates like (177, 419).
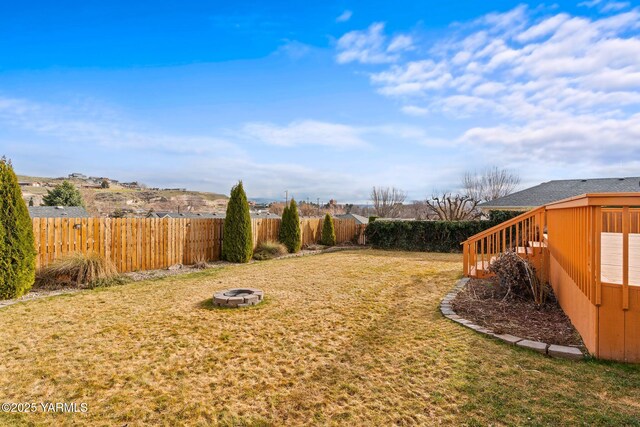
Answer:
(282, 234)
(65, 194)
(290, 234)
(237, 243)
(18, 254)
(328, 231)
(5, 264)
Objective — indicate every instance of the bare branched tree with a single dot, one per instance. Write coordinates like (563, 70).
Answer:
(490, 184)
(452, 207)
(276, 208)
(418, 209)
(387, 201)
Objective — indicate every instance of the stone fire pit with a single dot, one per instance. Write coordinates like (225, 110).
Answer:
(238, 297)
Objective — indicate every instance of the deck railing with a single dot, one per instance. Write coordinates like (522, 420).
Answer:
(524, 234)
(574, 244)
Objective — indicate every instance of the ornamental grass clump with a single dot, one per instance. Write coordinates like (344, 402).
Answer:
(517, 278)
(78, 270)
(269, 250)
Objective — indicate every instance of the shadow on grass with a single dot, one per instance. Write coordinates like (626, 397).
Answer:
(208, 305)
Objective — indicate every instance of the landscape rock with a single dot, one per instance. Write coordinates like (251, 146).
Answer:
(538, 346)
(565, 352)
(508, 338)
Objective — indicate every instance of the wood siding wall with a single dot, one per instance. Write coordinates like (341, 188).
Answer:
(151, 243)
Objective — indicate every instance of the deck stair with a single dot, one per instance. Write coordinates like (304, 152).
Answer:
(524, 234)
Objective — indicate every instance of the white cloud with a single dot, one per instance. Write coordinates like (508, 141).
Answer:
(102, 140)
(615, 6)
(413, 110)
(293, 49)
(590, 3)
(333, 135)
(531, 88)
(344, 16)
(371, 46)
(584, 138)
(577, 65)
(610, 6)
(90, 124)
(306, 132)
(400, 43)
(544, 28)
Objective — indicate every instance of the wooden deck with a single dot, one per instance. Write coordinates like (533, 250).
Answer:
(588, 249)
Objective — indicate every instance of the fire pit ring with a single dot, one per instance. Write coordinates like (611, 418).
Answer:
(238, 297)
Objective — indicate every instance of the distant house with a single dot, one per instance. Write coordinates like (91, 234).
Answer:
(553, 191)
(194, 215)
(262, 215)
(29, 184)
(58, 212)
(133, 185)
(191, 215)
(77, 175)
(358, 218)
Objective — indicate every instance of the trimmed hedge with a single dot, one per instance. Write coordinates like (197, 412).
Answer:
(237, 243)
(498, 217)
(429, 236)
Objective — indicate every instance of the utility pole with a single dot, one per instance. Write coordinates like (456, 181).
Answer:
(286, 197)
(318, 206)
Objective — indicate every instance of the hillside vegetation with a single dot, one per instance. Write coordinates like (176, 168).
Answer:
(103, 201)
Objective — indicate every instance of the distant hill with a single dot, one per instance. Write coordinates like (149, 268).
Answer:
(133, 198)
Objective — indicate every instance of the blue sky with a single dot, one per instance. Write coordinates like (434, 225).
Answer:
(324, 100)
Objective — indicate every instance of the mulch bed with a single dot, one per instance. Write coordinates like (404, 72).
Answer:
(482, 303)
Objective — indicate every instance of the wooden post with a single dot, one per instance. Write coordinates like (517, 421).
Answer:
(625, 258)
(597, 246)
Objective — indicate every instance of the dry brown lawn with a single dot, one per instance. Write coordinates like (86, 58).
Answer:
(349, 338)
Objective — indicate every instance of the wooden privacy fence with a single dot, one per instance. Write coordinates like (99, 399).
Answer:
(152, 243)
(346, 230)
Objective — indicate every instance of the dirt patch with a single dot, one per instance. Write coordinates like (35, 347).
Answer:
(482, 303)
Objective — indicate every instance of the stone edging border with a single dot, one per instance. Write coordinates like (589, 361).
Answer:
(553, 350)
